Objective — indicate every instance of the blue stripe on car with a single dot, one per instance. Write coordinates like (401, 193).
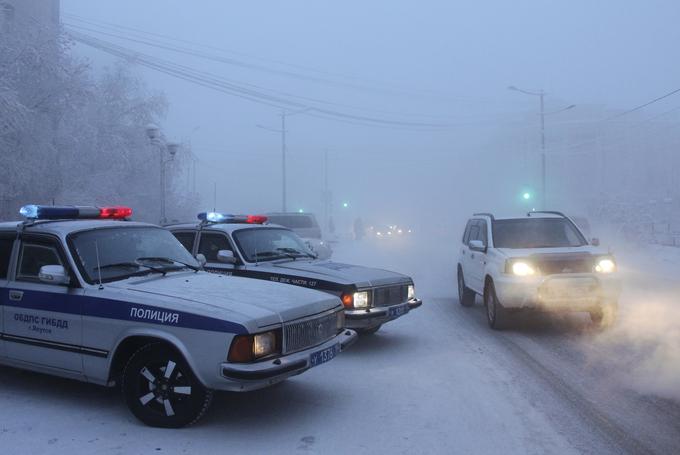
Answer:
(119, 309)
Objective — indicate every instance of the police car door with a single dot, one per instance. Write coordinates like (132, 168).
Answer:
(476, 259)
(42, 322)
(6, 245)
(209, 244)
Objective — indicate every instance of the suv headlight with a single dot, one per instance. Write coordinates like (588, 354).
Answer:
(605, 265)
(411, 292)
(520, 267)
(248, 348)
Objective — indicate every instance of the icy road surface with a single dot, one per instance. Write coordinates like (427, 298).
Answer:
(436, 381)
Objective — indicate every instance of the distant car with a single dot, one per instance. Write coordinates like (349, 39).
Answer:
(540, 261)
(247, 246)
(389, 232)
(91, 297)
(306, 226)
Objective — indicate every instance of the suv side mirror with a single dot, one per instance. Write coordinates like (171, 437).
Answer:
(53, 274)
(202, 261)
(226, 257)
(477, 245)
(595, 241)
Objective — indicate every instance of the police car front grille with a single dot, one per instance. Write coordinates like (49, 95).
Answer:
(391, 295)
(310, 332)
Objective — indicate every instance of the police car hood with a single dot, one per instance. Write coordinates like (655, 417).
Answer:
(341, 273)
(525, 252)
(231, 298)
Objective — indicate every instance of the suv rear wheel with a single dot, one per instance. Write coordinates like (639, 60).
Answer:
(161, 390)
(466, 296)
(605, 315)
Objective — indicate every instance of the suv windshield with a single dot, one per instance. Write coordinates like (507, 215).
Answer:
(536, 233)
(268, 244)
(120, 252)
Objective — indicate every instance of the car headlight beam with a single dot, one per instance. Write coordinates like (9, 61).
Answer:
(605, 265)
(361, 299)
(411, 292)
(521, 268)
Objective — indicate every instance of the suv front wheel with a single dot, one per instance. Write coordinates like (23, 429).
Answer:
(496, 315)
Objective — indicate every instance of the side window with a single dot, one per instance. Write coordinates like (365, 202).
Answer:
(474, 231)
(211, 243)
(466, 234)
(5, 253)
(482, 232)
(33, 257)
(186, 239)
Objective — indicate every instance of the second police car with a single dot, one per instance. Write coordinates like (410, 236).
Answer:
(87, 297)
(247, 246)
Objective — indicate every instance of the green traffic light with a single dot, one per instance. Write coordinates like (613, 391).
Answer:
(345, 204)
(301, 211)
(526, 195)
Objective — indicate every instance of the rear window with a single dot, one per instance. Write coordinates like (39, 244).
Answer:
(293, 221)
(536, 233)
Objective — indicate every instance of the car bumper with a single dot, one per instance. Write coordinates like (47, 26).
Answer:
(252, 376)
(566, 292)
(373, 317)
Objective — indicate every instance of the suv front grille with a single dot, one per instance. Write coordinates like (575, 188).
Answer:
(390, 295)
(564, 263)
(309, 332)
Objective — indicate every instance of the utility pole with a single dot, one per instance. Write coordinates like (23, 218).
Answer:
(543, 188)
(283, 160)
(326, 195)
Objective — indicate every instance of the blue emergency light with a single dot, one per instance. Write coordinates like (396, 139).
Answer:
(73, 212)
(216, 217)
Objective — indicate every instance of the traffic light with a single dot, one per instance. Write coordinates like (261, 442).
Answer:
(345, 204)
(526, 195)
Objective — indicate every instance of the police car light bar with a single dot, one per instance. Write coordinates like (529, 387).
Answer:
(50, 212)
(215, 217)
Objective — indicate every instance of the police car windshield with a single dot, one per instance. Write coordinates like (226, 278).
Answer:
(536, 233)
(120, 252)
(267, 244)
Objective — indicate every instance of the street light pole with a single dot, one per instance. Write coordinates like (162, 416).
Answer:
(541, 95)
(282, 131)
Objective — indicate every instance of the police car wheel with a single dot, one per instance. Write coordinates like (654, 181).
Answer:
(604, 316)
(161, 390)
(496, 315)
(370, 331)
(466, 296)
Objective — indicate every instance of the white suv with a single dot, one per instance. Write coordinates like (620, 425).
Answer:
(540, 261)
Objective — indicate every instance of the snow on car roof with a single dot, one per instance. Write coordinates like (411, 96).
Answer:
(226, 227)
(65, 227)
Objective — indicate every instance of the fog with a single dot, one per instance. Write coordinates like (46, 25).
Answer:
(440, 62)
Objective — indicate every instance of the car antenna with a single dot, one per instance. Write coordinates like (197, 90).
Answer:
(99, 267)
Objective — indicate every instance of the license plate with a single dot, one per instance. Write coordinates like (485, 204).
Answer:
(324, 355)
(395, 311)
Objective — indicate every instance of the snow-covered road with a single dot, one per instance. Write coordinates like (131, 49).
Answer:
(435, 381)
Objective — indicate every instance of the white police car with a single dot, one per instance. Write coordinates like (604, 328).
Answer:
(87, 297)
(247, 246)
(541, 261)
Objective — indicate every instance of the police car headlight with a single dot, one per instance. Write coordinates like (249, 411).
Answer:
(247, 348)
(520, 268)
(411, 292)
(361, 299)
(605, 265)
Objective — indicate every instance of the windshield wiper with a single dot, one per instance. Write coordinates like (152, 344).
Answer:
(136, 265)
(167, 261)
(293, 251)
(268, 254)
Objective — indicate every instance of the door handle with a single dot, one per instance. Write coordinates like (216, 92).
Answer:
(16, 296)
(472, 255)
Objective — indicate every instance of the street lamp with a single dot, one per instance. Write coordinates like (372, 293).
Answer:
(541, 95)
(282, 131)
(153, 132)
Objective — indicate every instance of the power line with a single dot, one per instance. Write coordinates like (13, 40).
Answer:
(217, 83)
(637, 108)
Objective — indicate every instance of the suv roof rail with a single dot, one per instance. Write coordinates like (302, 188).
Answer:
(490, 215)
(549, 212)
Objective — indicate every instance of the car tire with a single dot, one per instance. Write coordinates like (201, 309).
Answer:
(370, 331)
(162, 399)
(496, 315)
(466, 296)
(605, 315)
